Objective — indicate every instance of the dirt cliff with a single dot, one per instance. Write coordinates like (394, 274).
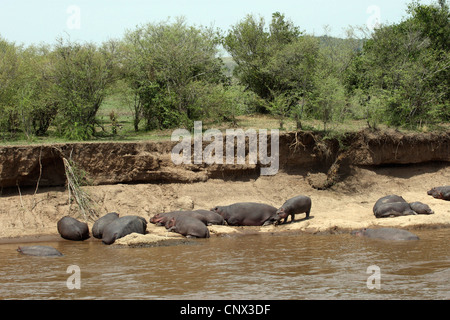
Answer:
(150, 162)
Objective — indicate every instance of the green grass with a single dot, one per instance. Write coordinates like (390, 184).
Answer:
(126, 133)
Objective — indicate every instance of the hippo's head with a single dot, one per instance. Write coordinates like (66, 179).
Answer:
(155, 218)
(359, 233)
(280, 214)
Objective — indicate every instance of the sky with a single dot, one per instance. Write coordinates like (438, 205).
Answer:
(35, 21)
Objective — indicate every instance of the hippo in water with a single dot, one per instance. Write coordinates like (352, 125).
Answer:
(247, 214)
(420, 208)
(188, 226)
(440, 192)
(100, 224)
(123, 226)
(41, 251)
(71, 229)
(299, 204)
(393, 209)
(387, 199)
(385, 234)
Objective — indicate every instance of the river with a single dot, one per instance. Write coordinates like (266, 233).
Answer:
(277, 266)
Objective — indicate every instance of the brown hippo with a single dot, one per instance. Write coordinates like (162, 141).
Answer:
(247, 214)
(41, 251)
(393, 209)
(188, 226)
(299, 204)
(100, 224)
(385, 234)
(440, 192)
(71, 229)
(123, 226)
(420, 208)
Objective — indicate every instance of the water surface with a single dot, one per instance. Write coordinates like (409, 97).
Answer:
(280, 266)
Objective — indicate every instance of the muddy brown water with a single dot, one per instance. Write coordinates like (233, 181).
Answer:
(277, 266)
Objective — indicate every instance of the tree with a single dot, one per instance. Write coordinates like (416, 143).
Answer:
(161, 61)
(408, 64)
(253, 47)
(293, 67)
(9, 84)
(81, 74)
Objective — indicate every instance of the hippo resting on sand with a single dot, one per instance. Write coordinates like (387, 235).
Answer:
(385, 234)
(387, 199)
(395, 206)
(206, 216)
(394, 209)
(188, 226)
(247, 214)
(41, 251)
(71, 229)
(100, 224)
(123, 226)
(440, 193)
(420, 208)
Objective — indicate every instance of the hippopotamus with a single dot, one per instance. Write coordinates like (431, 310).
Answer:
(211, 217)
(393, 209)
(420, 208)
(71, 229)
(188, 226)
(100, 224)
(385, 234)
(387, 199)
(440, 192)
(299, 204)
(41, 251)
(161, 219)
(247, 214)
(123, 226)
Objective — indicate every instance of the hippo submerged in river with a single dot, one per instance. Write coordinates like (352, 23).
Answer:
(440, 192)
(71, 229)
(385, 234)
(123, 226)
(293, 206)
(41, 251)
(247, 213)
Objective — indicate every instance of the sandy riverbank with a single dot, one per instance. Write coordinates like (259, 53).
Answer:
(345, 206)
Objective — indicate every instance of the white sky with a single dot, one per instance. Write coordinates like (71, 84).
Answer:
(36, 21)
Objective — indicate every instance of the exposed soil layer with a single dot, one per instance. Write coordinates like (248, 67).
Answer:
(344, 177)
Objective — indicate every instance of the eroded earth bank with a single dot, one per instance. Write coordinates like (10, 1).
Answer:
(344, 177)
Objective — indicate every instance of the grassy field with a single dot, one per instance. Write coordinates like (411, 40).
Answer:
(125, 130)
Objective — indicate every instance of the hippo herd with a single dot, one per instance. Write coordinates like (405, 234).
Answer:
(111, 227)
